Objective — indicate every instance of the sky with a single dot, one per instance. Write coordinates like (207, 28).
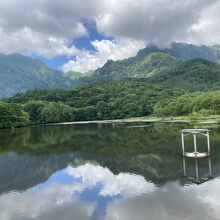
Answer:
(81, 35)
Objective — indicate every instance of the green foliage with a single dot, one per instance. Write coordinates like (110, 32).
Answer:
(47, 112)
(12, 115)
(206, 112)
(193, 75)
(115, 100)
(205, 103)
(100, 101)
(194, 116)
(136, 67)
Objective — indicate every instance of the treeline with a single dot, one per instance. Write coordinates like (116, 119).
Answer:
(197, 103)
(112, 100)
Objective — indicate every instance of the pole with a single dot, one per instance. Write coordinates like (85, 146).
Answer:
(208, 143)
(183, 147)
(184, 166)
(197, 171)
(195, 146)
(210, 167)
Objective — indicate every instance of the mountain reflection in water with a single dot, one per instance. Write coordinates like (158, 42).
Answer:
(104, 172)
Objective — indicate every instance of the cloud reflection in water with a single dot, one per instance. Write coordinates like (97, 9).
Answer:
(84, 191)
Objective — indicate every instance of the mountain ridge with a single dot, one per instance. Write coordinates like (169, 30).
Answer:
(20, 73)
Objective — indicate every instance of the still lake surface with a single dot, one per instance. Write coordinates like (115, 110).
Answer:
(106, 172)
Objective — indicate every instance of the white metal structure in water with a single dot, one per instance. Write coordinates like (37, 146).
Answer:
(194, 132)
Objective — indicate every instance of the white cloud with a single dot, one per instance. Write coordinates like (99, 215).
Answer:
(123, 184)
(154, 21)
(27, 41)
(47, 27)
(105, 50)
(206, 30)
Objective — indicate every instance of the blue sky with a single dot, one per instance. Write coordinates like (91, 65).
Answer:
(81, 35)
(81, 43)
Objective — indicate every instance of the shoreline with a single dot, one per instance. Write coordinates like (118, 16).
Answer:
(211, 120)
(182, 120)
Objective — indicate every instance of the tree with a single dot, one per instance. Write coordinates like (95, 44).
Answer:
(12, 115)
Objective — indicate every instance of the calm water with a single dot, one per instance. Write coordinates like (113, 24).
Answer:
(105, 171)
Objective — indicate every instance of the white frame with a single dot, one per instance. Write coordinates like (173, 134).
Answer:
(194, 132)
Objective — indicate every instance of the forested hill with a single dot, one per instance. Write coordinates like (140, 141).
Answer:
(179, 65)
(19, 73)
(136, 67)
(161, 68)
(192, 75)
(109, 100)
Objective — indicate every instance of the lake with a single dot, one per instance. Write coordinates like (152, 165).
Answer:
(106, 172)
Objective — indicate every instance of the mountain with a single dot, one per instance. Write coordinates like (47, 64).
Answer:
(185, 51)
(197, 74)
(182, 66)
(20, 73)
(135, 67)
(78, 75)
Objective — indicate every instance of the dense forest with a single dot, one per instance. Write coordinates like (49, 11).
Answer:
(109, 100)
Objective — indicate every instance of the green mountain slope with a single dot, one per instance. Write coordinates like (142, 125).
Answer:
(162, 68)
(78, 75)
(185, 51)
(19, 73)
(176, 66)
(196, 74)
(135, 67)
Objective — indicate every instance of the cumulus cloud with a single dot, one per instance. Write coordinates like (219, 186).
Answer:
(27, 41)
(48, 27)
(105, 50)
(154, 21)
(206, 30)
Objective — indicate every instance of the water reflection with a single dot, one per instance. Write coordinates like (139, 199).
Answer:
(90, 187)
(91, 191)
(100, 172)
(198, 177)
